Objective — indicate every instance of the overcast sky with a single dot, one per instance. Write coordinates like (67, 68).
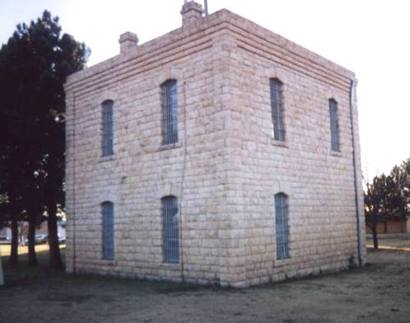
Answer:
(370, 38)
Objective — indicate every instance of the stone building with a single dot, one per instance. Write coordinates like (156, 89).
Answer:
(217, 153)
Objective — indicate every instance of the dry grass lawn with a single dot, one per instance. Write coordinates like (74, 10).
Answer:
(5, 249)
(379, 292)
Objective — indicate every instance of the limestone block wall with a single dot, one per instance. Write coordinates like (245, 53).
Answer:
(142, 170)
(320, 183)
(225, 168)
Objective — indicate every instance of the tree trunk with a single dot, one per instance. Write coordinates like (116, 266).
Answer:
(385, 226)
(56, 263)
(13, 260)
(374, 232)
(374, 236)
(1, 273)
(32, 257)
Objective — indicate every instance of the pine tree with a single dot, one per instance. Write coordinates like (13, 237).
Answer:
(34, 64)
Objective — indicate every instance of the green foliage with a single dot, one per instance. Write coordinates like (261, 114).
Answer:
(22, 275)
(34, 64)
(388, 197)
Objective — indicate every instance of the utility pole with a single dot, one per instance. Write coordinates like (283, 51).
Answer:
(206, 7)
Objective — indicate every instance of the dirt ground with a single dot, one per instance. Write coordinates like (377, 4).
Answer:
(380, 292)
(398, 241)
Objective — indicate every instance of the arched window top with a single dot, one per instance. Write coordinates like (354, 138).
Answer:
(169, 82)
(107, 203)
(332, 101)
(107, 103)
(169, 87)
(168, 197)
(170, 202)
(276, 81)
(281, 199)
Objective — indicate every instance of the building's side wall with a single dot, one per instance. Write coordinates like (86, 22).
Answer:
(142, 171)
(318, 182)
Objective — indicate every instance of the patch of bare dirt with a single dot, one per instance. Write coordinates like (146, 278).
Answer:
(379, 292)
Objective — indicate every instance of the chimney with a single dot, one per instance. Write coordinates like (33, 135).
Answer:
(128, 42)
(191, 13)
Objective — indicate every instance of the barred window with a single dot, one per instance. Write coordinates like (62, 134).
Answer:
(282, 227)
(170, 231)
(107, 210)
(276, 96)
(169, 112)
(107, 128)
(334, 126)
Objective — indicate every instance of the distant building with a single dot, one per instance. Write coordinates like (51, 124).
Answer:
(41, 232)
(392, 226)
(5, 234)
(217, 153)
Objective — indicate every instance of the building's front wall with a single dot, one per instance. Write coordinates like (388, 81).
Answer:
(225, 169)
(142, 170)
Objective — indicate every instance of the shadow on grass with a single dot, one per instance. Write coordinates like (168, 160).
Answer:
(389, 248)
(136, 284)
(23, 274)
